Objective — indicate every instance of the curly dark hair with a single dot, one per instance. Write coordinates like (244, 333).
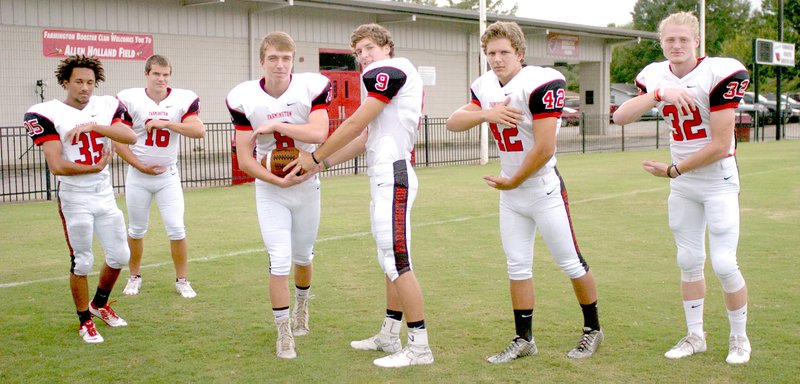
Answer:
(64, 70)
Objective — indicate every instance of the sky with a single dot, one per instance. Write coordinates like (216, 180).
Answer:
(587, 12)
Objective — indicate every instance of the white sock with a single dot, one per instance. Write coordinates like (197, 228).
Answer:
(301, 293)
(738, 320)
(693, 310)
(280, 314)
(418, 337)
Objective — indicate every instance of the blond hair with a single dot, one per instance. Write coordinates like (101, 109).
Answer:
(278, 40)
(375, 32)
(156, 60)
(504, 30)
(681, 18)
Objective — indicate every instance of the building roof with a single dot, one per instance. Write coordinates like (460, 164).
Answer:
(626, 88)
(395, 11)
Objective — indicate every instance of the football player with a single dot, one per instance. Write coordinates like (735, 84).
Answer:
(160, 116)
(523, 105)
(385, 127)
(698, 98)
(76, 136)
(283, 109)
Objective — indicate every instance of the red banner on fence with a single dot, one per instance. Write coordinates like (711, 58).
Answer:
(104, 45)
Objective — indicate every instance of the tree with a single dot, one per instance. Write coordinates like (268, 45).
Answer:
(725, 21)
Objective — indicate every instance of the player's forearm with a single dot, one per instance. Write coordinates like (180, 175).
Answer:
(312, 133)
(536, 158)
(721, 125)
(192, 129)
(126, 154)
(633, 109)
(119, 132)
(350, 151)
(462, 120)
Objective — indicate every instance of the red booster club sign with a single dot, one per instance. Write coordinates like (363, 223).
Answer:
(104, 45)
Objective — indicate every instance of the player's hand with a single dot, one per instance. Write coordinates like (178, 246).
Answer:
(679, 98)
(108, 154)
(152, 169)
(306, 162)
(263, 129)
(655, 168)
(72, 135)
(155, 123)
(292, 178)
(501, 183)
(503, 114)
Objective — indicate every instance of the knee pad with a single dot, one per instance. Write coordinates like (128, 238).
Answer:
(519, 271)
(690, 262)
(304, 260)
(82, 264)
(174, 233)
(119, 256)
(279, 266)
(732, 282)
(573, 268)
(692, 276)
(137, 233)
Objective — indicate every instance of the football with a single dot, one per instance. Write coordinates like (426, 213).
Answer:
(276, 159)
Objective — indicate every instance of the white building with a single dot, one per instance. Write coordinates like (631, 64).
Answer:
(213, 46)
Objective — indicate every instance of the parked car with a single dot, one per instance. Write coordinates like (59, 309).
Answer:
(790, 108)
(771, 104)
(752, 110)
(570, 116)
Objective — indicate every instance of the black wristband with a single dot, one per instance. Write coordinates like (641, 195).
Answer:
(669, 174)
(676, 169)
(314, 158)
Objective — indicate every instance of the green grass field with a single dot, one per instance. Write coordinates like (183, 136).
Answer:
(226, 334)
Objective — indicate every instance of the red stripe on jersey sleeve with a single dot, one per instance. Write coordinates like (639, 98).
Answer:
(42, 139)
(724, 106)
(318, 107)
(121, 120)
(242, 127)
(190, 114)
(545, 115)
(380, 97)
(476, 102)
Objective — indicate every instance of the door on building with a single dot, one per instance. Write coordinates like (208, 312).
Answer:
(339, 65)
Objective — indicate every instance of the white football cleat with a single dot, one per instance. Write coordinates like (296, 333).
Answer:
(184, 287)
(687, 346)
(387, 340)
(89, 333)
(738, 350)
(133, 286)
(107, 315)
(300, 317)
(284, 347)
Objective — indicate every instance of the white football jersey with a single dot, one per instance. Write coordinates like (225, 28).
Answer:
(159, 146)
(537, 91)
(391, 136)
(52, 120)
(716, 83)
(251, 106)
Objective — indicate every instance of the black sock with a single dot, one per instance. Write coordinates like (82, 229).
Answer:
(416, 324)
(590, 318)
(394, 315)
(101, 297)
(523, 320)
(83, 316)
